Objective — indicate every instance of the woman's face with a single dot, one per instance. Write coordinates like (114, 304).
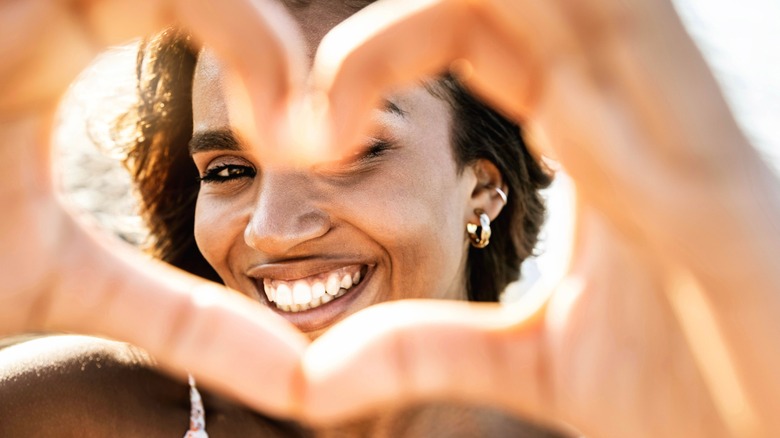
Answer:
(321, 242)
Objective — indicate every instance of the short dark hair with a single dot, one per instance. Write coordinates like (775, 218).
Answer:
(479, 132)
(166, 178)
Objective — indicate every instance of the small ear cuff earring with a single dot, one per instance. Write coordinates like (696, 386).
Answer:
(479, 234)
(502, 194)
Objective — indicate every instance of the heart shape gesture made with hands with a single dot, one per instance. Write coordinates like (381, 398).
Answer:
(664, 325)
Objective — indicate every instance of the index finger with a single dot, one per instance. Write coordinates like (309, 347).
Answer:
(411, 351)
(392, 44)
(261, 45)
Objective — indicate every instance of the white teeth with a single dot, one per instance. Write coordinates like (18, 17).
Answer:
(301, 293)
(283, 295)
(305, 294)
(269, 290)
(333, 285)
(317, 290)
(346, 281)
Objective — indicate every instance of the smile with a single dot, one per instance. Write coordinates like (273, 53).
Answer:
(314, 291)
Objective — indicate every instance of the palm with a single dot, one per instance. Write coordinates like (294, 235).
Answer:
(31, 238)
(615, 347)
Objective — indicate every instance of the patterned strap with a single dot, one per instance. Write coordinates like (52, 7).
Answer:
(197, 414)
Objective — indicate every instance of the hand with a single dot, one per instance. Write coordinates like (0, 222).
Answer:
(59, 276)
(666, 323)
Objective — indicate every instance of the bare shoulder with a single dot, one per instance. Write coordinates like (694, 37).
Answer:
(84, 386)
(79, 386)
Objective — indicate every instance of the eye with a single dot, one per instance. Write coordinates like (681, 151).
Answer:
(375, 149)
(367, 159)
(371, 152)
(221, 173)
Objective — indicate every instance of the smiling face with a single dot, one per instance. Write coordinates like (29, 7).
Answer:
(322, 242)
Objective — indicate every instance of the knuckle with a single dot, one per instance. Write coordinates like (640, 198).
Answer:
(192, 327)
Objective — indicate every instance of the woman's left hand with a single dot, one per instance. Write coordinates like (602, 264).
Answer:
(666, 321)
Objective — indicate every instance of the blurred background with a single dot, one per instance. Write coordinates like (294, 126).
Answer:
(740, 40)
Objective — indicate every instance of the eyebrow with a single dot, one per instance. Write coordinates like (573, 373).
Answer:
(228, 140)
(214, 140)
(389, 106)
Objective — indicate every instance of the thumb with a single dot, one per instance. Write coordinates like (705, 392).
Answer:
(231, 343)
(410, 351)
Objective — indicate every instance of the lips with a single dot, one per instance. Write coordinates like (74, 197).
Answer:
(312, 291)
(312, 295)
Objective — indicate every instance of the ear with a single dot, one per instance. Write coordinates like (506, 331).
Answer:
(488, 191)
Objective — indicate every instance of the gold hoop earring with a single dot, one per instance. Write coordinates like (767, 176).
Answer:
(479, 234)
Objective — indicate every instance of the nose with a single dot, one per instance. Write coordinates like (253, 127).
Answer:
(285, 215)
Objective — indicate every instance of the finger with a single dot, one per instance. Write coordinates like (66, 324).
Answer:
(494, 72)
(45, 44)
(377, 49)
(256, 39)
(226, 340)
(492, 45)
(264, 52)
(411, 351)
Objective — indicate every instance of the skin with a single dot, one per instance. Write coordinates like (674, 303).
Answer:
(396, 214)
(671, 268)
(45, 46)
(79, 386)
(676, 215)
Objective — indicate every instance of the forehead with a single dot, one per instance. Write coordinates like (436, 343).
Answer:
(411, 108)
(209, 106)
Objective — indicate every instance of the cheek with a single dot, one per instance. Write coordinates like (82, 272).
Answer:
(415, 215)
(427, 246)
(216, 230)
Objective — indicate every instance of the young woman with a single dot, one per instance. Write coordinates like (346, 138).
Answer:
(665, 324)
(392, 218)
(441, 202)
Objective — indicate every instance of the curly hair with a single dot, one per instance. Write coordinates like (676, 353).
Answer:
(166, 178)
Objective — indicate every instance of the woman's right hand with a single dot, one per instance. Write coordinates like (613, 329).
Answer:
(59, 276)
(46, 44)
